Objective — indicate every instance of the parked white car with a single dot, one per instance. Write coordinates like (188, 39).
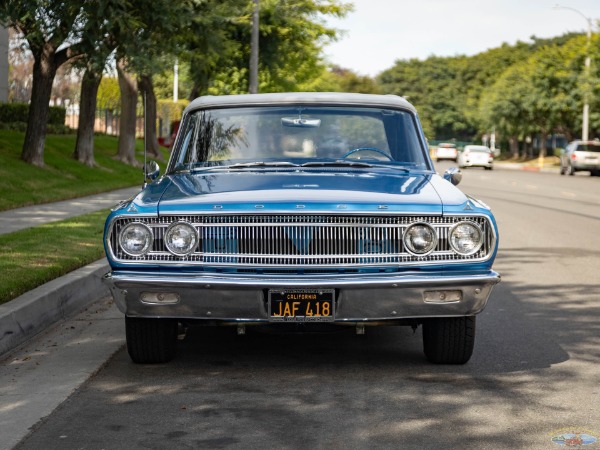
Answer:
(446, 151)
(476, 156)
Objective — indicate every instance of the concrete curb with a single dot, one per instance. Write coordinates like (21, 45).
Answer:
(34, 311)
(529, 168)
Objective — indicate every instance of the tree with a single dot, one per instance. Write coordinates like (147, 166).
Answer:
(50, 28)
(84, 144)
(504, 105)
(127, 123)
(447, 91)
(338, 79)
(540, 95)
(106, 24)
(140, 56)
(292, 35)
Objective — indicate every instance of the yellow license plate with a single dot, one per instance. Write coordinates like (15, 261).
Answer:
(301, 305)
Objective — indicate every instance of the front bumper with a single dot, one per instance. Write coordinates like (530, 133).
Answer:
(243, 299)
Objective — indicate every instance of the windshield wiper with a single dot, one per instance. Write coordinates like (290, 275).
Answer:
(246, 165)
(347, 163)
(261, 164)
(338, 163)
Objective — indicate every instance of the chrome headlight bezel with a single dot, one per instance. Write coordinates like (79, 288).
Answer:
(148, 236)
(408, 244)
(190, 247)
(473, 250)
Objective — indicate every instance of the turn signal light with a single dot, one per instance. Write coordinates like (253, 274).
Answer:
(442, 296)
(159, 298)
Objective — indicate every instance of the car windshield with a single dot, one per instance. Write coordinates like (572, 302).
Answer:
(312, 136)
(588, 147)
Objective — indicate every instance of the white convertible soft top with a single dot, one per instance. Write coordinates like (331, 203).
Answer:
(307, 98)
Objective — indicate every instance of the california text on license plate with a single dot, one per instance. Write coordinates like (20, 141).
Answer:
(301, 305)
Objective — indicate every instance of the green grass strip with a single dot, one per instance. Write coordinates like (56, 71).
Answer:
(63, 177)
(32, 257)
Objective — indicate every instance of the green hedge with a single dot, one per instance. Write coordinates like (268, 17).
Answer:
(19, 112)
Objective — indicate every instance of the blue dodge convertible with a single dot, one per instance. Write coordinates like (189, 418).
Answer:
(300, 209)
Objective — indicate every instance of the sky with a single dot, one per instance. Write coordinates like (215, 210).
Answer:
(379, 32)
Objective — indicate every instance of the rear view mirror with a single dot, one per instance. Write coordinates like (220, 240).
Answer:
(299, 122)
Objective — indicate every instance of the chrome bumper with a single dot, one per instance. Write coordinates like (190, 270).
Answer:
(243, 299)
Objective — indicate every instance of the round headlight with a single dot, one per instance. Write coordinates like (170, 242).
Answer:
(136, 239)
(466, 238)
(420, 239)
(181, 238)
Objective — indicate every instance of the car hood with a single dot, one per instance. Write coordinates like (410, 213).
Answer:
(309, 191)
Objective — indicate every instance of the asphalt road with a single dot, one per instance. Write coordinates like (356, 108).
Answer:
(534, 374)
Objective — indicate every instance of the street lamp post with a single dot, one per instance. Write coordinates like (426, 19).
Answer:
(253, 76)
(586, 105)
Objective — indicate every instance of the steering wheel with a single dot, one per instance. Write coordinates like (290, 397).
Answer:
(367, 149)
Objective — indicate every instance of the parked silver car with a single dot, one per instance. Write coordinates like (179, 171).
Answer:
(476, 156)
(581, 155)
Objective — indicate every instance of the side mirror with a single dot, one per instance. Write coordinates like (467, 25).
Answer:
(453, 175)
(151, 171)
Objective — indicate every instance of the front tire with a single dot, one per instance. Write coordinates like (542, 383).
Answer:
(449, 340)
(150, 341)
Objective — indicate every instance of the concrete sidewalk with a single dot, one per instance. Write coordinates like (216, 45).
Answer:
(33, 312)
(31, 216)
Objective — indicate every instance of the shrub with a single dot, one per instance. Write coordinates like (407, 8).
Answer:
(13, 116)
(19, 112)
(13, 112)
(57, 115)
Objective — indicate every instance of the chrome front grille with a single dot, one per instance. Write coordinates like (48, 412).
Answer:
(302, 241)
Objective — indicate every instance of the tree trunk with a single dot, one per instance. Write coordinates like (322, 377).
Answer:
(84, 147)
(146, 86)
(524, 149)
(128, 86)
(194, 92)
(513, 142)
(44, 70)
(542, 153)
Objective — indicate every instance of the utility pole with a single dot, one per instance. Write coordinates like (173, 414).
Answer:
(253, 79)
(586, 94)
(176, 81)
(585, 127)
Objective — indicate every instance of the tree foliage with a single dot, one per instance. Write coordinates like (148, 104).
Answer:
(52, 29)
(292, 36)
(519, 90)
